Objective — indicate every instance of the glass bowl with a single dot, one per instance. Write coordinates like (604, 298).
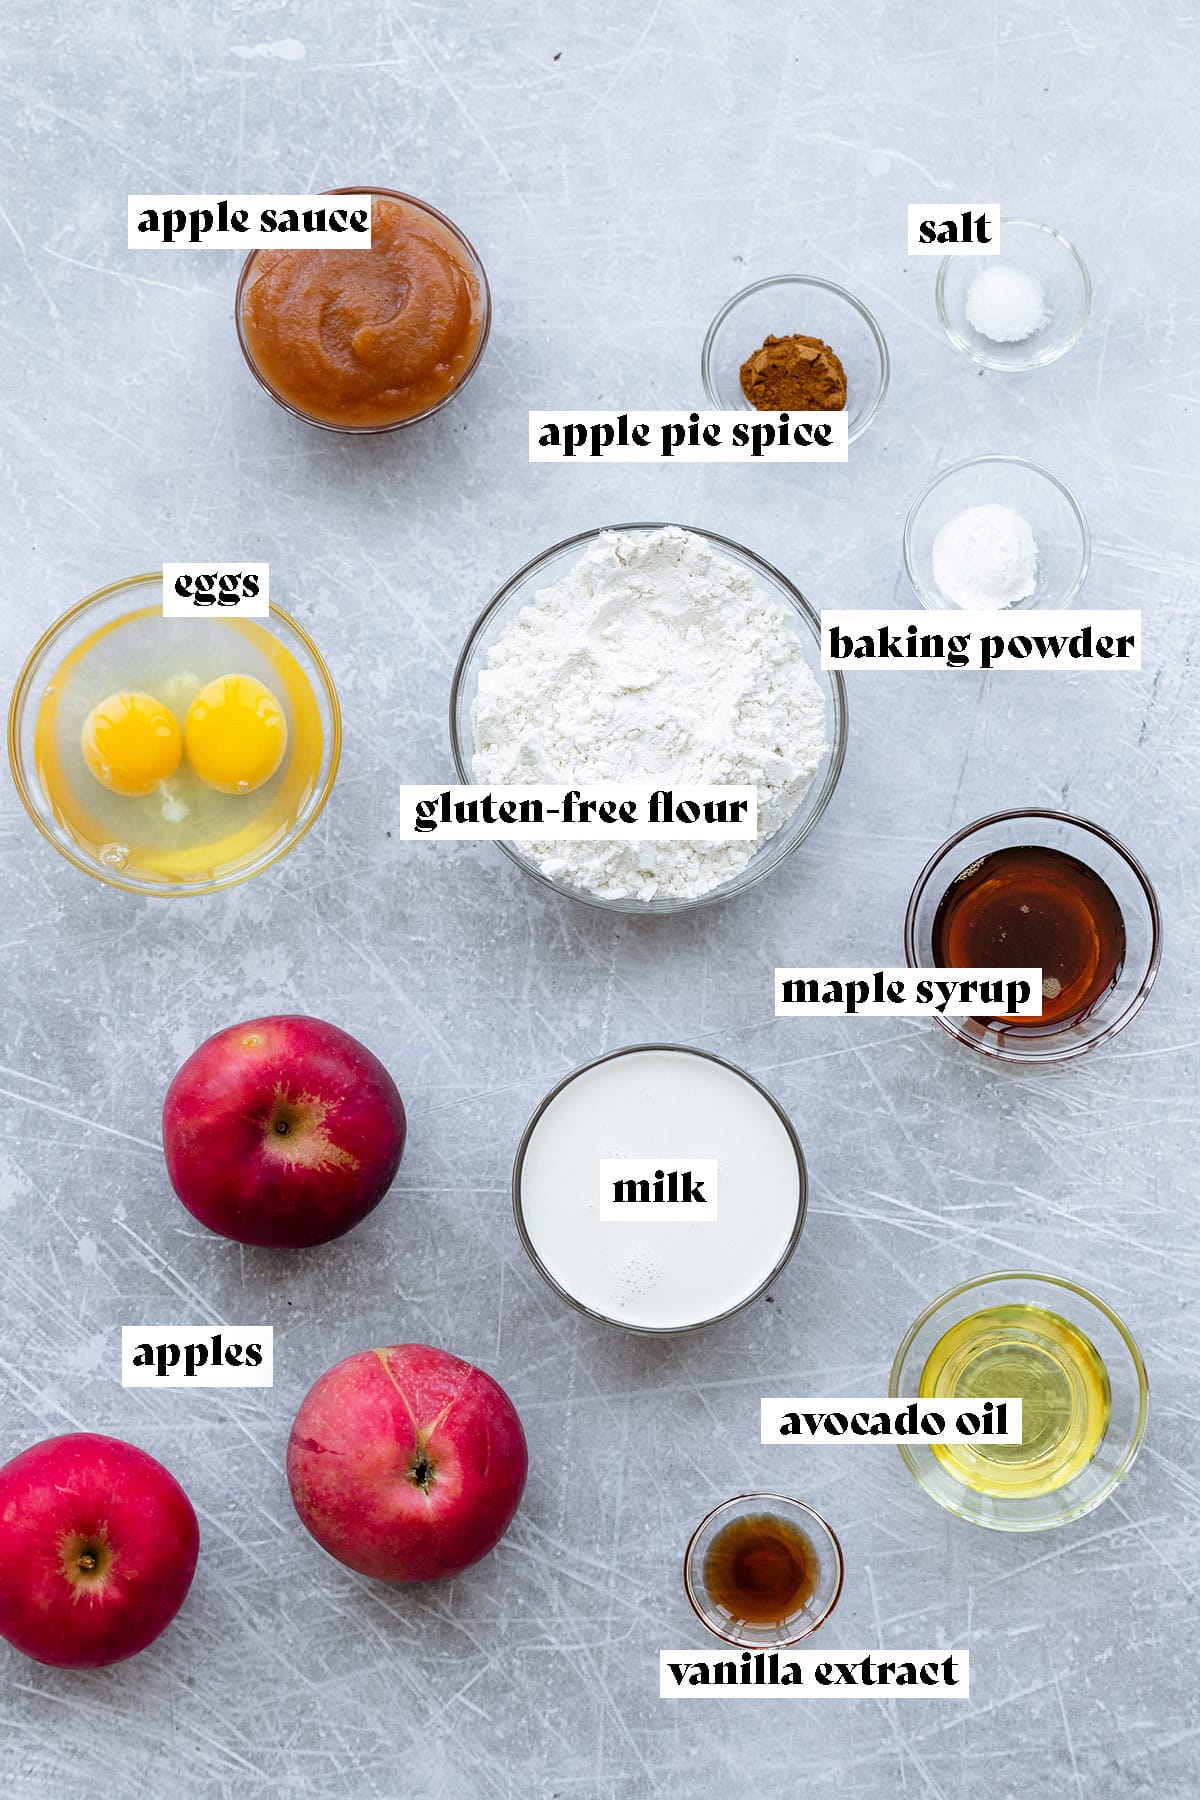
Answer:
(784, 306)
(72, 636)
(1056, 263)
(1124, 876)
(543, 572)
(559, 1236)
(808, 1618)
(470, 256)
(1064, 543)
(1128, 1383)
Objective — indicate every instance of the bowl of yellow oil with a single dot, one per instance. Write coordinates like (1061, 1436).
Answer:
(1077, 1372)
(172, 756)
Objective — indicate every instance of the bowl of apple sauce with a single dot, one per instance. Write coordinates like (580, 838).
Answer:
(369, 339)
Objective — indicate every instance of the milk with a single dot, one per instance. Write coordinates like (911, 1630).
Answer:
(639, 1271)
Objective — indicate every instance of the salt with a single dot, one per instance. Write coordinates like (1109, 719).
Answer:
(1006, 304)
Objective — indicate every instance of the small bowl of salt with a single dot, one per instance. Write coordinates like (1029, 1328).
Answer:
(993, 533)
(1022, 308)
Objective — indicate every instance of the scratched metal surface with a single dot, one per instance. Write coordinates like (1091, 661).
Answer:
(623, 169)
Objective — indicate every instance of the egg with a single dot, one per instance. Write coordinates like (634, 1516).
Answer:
(235, 733)
(130, 743)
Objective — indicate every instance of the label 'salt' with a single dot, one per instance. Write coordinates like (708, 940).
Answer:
(959, 228)
(200, 590)
(178, 1356)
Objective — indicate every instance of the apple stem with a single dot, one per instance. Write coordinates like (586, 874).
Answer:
(421, 1471)
(87, 1560)
(282, 1127)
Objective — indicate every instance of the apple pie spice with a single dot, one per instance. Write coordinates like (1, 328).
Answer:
(801, 374)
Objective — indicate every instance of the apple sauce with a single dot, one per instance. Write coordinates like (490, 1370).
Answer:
(368, 339)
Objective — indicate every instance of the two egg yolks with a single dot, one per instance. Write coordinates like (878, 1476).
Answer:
(235, 734)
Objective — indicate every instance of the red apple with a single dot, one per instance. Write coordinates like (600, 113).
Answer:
(282, 1132)
(98, 1546)
(407, 1463)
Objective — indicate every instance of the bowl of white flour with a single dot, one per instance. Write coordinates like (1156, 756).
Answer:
(652, 653)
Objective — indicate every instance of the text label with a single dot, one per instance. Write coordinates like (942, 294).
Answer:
(194, 1356)
(868, 639)
(206, 590)
(663, 1189)
(884, 1421)
(814, 1674)
(249, 221)
(687, 437)
(963, 228)
(518, 814)
(909, 993)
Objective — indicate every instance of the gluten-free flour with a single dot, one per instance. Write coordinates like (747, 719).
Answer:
(654, 659)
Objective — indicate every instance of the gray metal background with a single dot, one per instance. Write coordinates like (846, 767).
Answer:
(622, 169)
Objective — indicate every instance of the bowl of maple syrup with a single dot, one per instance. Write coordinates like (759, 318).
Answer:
(763, 1571)
(1039, 889)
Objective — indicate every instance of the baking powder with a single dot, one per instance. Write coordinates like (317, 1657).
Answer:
(986, 556)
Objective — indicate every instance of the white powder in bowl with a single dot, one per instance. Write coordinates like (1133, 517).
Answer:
(1006, 304)
(654, 659)
(985, 557)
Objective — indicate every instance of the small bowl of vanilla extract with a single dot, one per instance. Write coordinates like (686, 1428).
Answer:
(763, 1571)
(1039, 889)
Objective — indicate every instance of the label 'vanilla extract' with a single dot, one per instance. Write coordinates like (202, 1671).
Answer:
(1029, 905)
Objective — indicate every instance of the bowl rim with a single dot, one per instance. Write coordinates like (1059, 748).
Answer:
(297, 412)
(180, 890)
(785, 1500)
(1048, 1054)
(659, 1331)
(834, 760)
(938, 603)
(1135, 1356)
(830, 287)
(987, 361)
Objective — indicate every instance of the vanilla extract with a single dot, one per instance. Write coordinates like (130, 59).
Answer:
(761, 1569)
(1029, 906)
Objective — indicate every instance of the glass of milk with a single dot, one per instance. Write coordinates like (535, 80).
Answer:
(687, 1243)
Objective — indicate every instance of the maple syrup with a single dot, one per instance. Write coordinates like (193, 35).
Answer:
(760, 1570)
(1033, 907)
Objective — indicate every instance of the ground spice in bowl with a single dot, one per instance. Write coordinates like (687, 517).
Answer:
(801, 374)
